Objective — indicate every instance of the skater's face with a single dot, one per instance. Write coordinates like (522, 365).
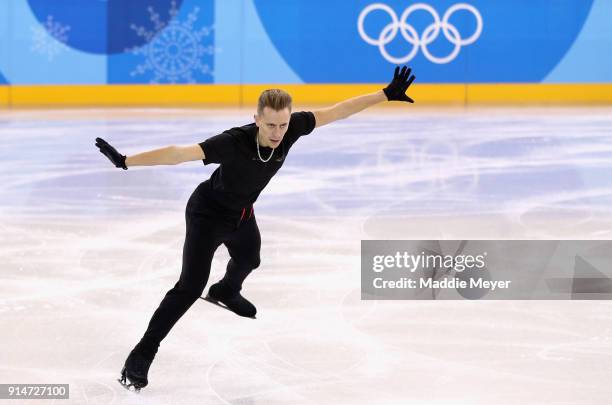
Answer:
(272, 126)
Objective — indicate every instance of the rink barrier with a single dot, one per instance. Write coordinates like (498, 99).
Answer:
(232, 95)
(567, 93)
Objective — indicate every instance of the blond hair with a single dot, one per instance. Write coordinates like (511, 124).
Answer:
(276, 99)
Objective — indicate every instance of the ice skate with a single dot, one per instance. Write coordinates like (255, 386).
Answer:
(135, 371)
(220, 295)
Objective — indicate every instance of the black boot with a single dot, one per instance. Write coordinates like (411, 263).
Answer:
(135, 369)
(232, 300)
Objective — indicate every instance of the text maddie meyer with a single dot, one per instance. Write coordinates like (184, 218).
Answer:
(453, 282)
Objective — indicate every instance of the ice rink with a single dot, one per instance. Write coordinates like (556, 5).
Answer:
(88, 251)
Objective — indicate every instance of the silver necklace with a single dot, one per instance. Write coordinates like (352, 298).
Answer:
(259, 154)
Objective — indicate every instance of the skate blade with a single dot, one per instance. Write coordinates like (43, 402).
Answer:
(128, 385)
(219, 304)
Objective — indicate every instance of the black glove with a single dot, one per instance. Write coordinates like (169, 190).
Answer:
(111, 153)
(396, 90)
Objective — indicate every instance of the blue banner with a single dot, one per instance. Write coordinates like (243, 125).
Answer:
(331, 41)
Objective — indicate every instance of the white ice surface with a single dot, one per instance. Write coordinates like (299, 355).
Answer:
(87, 252)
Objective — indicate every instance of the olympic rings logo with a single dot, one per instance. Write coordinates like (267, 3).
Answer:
(430, 34)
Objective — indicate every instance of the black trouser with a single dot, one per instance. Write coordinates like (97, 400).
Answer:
(207, 228)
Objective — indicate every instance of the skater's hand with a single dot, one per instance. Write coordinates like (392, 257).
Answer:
(396, 90)
(111, 153)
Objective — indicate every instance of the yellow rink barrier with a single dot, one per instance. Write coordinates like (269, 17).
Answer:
(124, 95)
(234, 95)
(595, 93)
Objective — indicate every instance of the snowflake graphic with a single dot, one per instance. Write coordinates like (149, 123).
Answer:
(50, 38)
(173, 50)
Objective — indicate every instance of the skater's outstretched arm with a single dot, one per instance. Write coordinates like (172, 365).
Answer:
(396, 90)
(169, 155)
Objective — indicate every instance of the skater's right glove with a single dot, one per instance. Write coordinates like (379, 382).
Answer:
(111, 153)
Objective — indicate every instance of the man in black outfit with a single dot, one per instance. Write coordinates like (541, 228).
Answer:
(220, 210)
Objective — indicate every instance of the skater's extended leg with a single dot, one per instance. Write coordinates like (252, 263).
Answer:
(201, 241)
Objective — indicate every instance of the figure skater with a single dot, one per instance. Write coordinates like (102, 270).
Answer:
(220, 210)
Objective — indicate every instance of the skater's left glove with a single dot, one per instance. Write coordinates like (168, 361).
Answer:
(396, 90)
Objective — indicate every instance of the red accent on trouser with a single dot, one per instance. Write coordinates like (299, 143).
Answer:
(242, 215)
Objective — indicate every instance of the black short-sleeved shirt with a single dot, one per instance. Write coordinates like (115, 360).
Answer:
(241, 176)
